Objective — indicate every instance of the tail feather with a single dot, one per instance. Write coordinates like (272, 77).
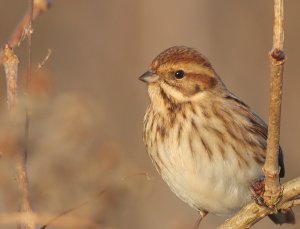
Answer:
(282, 217)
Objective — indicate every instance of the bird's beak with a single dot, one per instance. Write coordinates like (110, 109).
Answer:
(149, 77)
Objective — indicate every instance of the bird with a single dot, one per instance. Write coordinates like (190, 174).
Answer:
(207, 144)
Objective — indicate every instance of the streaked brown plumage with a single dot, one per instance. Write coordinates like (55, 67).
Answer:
(207, 145)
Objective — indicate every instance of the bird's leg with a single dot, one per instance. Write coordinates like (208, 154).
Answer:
(202, 214)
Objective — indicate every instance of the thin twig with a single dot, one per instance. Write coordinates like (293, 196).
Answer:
(22, 155)
(15, 39)
(277, 56)
(68, 222)
(22, 177)
(41, 64)
(276, 197)
(28, 76)
(10, 63)
(68, 211)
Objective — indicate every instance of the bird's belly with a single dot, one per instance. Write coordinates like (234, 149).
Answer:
(206, 192)
(218, 184)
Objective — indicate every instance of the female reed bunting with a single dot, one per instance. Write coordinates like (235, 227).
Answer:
(207, 144)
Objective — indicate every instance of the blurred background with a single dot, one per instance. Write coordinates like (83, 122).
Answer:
(88, 104)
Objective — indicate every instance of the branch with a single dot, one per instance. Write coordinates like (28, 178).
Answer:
(28, 76)
(271, 169)
(10, 63)
(276, 197)
(39, 6)
(69, 221)
(253, 212)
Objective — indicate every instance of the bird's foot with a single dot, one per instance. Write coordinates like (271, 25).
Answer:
(258, 189)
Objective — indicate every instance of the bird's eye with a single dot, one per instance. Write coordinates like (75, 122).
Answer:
(179, 74)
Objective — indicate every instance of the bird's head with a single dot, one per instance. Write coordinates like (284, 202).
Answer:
(182, 73)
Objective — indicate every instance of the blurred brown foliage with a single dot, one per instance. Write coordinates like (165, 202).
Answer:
(87, 105)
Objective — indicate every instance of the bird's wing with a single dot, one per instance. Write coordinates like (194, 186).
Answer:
(263, 130)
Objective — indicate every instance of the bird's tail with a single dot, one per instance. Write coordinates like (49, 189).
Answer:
(282, 217)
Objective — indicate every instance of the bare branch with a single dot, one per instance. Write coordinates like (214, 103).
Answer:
(276, 197)
(69, 221)
(15, 39)
(278, 33)
(271, 169)
(28, 76)
(22, 154)
(46, 58)
(10, 64)
(253, 212)
(22, 177)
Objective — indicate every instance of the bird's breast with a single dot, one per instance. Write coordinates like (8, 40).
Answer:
(199, 161)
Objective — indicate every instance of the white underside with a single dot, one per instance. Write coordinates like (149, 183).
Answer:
(219, 186)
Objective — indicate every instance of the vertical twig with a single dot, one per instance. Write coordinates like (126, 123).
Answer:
(275, 197)
(28, 76)
(22, 168)
(10, 63)
(277, 58)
